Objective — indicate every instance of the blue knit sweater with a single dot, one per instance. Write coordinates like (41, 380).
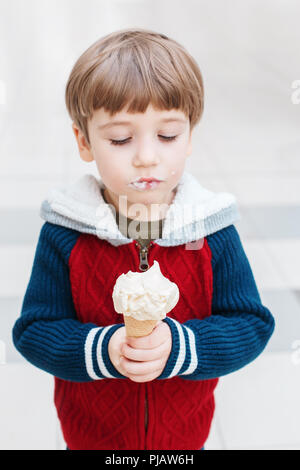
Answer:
(51, 337)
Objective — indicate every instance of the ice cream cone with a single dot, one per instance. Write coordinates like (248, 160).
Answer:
(138, 328)
(144, 299)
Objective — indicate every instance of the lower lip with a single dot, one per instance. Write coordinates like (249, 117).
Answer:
(145, 185)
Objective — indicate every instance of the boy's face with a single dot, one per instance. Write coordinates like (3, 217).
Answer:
(145, 153)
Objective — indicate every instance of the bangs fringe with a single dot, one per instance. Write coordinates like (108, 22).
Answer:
(134, 73)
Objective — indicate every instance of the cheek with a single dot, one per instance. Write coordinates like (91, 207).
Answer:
(109, 176)
(176, 172)
(107, 166)
(174, 176)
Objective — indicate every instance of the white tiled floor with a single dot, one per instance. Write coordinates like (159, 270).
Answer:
(286, 256)
(15, 267)
(28, 416)
(266, 272)
(247, 143)
(258, 406)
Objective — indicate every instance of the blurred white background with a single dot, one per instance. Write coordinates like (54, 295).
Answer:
(247, 143)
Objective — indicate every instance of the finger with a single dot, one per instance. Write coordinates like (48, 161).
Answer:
(141, 355)
(153, 340)
(144, 378)
(140, 368)
(120, 368)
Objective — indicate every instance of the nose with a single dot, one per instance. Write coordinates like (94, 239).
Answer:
(146, 155)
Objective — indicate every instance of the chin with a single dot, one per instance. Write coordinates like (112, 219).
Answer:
(149, 198)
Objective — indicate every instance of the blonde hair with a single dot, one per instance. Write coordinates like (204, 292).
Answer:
(135, 67)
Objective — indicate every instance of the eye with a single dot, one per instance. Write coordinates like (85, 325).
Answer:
(168, 138)
(119, 142)
(122, 142)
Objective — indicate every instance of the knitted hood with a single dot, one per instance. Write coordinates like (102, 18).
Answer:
(194, 213)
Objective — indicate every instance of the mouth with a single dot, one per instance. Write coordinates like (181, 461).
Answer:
(143, 184)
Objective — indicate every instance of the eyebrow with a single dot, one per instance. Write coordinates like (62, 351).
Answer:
(119, 123)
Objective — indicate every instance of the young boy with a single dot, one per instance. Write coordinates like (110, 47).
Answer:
(134, 98)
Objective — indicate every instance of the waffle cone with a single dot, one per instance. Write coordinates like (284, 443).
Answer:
(138, 328)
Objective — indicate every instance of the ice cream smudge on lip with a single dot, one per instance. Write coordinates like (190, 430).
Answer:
(145, 296)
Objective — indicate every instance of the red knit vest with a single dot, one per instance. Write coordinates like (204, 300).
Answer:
(110, 413)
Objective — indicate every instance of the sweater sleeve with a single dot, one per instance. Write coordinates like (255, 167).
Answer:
(48, 333)
(239, 327)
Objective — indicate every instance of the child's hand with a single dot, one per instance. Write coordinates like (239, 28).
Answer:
(145, 358)
(115, 344)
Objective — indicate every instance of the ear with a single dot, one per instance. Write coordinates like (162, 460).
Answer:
(83, 146)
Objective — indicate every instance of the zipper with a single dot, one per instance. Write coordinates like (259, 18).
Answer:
(144, 266)
(143, 252)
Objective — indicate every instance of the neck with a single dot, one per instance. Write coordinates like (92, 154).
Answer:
(138, 211)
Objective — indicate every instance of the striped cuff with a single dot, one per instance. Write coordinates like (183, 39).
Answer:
(97, 360)
(183, 359)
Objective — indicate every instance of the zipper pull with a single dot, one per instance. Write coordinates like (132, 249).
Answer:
(144, 264)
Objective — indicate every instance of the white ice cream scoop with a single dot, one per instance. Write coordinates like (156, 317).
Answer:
(145, 296)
